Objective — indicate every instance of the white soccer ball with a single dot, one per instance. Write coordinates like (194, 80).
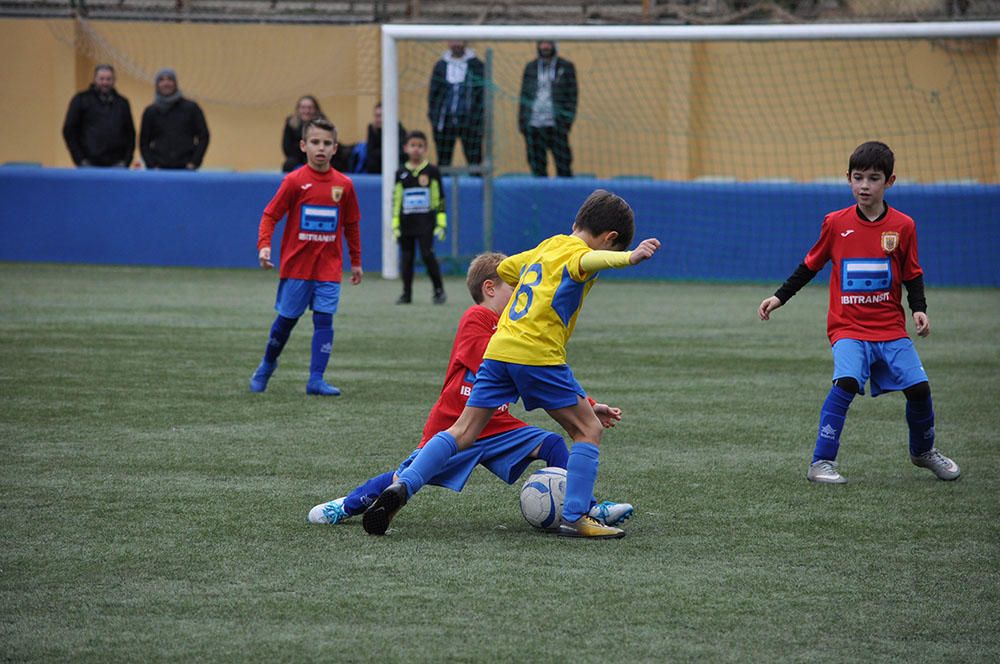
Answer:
(542, 497)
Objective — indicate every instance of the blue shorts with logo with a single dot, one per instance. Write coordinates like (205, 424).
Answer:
(498, 383)
(890, 365)
(506, 455)
(295, 295)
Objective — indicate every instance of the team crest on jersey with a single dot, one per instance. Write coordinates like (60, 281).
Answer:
(338, 192)
(423, 180)
(890, 240)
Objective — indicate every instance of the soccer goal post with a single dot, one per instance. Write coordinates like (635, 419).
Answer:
(708, 104)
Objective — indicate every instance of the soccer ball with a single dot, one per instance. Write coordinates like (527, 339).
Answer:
(542, 497)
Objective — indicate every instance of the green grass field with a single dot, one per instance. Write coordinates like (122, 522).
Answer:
(154, 510)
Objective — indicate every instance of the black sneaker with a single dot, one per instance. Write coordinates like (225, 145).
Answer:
(404, 299)
(376, 519)
(440, 297)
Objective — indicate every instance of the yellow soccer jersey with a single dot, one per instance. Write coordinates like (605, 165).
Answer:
(548, 297)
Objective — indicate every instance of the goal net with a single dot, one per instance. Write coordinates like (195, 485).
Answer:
(715, 127)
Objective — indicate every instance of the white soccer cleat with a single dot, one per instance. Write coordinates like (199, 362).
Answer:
(329, 513)
(825, 472)
(611, 513)
(943, 467)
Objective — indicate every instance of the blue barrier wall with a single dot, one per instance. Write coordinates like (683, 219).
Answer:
(710, 231)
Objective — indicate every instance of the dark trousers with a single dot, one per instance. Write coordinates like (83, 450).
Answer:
(406, 256)
(539, 140)
(472, 144)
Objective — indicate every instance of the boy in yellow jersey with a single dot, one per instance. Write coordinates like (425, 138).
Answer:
(526, 358)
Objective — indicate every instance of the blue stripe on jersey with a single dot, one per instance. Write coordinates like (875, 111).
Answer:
(319, 218)
(865, 275)
(569, 295)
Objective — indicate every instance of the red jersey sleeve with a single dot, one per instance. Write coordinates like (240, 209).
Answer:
(352, 225)
(275, 210)
(820, 253)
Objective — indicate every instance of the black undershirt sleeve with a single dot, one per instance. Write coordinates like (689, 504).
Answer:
(915, 294)
(802, 276)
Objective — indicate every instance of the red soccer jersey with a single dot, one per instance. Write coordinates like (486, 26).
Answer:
(321, 207)
(871, 260)
(474, 331)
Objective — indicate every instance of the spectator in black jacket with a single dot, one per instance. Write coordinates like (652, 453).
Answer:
(547, 110)
(98, 127)
(306, 109)
(174, 133)
(373, 153)
(455, 103)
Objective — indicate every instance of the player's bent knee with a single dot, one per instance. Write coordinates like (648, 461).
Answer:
(848, 385)
(918, 392)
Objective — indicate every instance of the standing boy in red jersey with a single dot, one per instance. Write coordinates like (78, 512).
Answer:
(874, 252)
(322, 208)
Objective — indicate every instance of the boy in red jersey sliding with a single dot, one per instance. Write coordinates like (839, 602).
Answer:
(507, 445)
(322, 208)
(874, 252)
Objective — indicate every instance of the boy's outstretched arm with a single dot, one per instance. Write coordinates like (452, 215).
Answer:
(602, 259)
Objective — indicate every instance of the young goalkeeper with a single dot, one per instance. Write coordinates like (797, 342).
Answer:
(507, 445)
(526, 358)
(873, 249)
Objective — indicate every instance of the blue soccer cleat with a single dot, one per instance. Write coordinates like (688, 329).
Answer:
(322, 388)
(331, 512)
(611, 513)
(258, 382)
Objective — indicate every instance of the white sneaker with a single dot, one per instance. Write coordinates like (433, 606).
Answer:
(825, 472)
(937, 463)
(331, 512)
(610, 513)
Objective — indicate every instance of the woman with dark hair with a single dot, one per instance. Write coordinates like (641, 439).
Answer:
(306, 109)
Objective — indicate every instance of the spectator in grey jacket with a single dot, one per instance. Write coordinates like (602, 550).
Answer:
(174, 133)
(547, 110)
(98, 128)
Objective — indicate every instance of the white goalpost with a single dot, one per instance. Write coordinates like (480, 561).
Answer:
(393, 35)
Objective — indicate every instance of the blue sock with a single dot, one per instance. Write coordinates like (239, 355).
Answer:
(432, 457)
(831, 423)
(581, 474)
(920, 420)
(322, 344)
(553, 451)
(363, 496)
(280, 331)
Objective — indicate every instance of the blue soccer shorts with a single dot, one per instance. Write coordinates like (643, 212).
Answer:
(506, 455)
(498, 383)
(890, 365)
(294, 295)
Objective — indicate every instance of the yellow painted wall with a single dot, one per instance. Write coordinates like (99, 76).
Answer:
(672, 111)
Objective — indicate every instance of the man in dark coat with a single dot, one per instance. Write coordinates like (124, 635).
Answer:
(98, 127)
(455, 103)
(547, 110)
(174, 133)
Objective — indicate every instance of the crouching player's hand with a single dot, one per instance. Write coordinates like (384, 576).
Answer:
(608, 415)
(644, 251)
